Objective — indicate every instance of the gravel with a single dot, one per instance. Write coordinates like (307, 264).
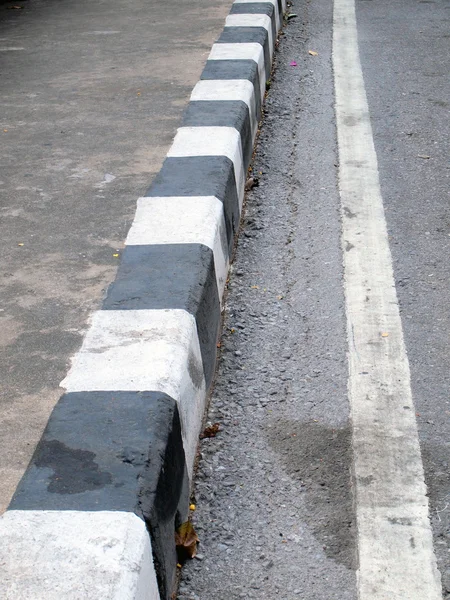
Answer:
(274, 506)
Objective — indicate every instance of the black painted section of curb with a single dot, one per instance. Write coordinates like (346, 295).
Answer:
(235, 69)
(244, 35)
(201, 176)
(222, 113)
(172, 276)
(257, 8)
(119, 451)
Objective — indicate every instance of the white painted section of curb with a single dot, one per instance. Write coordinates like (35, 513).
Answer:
(71, 555)
(183, 220)
(229, 89)
(212, 141)
(395, 542)
(145, 350)
(249, 51)
(274, 3)
(253, 20)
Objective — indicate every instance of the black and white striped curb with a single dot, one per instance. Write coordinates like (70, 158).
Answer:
(116, 458)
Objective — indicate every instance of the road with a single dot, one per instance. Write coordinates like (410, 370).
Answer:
(288, 493)
(333, 404)
(92, 94)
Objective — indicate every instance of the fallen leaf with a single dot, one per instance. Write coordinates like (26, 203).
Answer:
(423, 156)
(313, 53)
(292, 63)
(21, 244)
(115, 255)
(186, 541)
(211, 431)
(251, 183)
(384, 335)
(192, 506)
(255, 287)
(292, 16)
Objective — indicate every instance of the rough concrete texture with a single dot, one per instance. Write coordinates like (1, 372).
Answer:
(273, 500)
(92, 94)
(84, 463)
(115, 544)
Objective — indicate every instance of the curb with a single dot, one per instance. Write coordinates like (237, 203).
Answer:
(117, 456)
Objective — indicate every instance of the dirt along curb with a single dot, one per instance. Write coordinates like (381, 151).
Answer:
(117, 456)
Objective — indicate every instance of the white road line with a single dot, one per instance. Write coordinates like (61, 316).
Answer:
(183, 220)
(395, 544)
(145, 350)
(250, 51)
(212, 141)
(75, 554)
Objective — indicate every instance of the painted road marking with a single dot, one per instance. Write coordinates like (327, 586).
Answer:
(395, 544)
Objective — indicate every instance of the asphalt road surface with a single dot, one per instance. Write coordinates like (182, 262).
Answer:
(91, 95)
(282, 505)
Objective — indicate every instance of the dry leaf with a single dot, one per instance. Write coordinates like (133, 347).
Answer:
(313, 53)
(210, 431)
(384, 335)
(423, 156)
(251, 183)
(186, 541)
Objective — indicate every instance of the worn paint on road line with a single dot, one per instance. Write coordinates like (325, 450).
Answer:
(396, 556)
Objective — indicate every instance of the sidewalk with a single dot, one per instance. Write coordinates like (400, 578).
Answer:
(92, 94)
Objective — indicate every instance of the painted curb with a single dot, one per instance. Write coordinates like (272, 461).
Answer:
(116, 458)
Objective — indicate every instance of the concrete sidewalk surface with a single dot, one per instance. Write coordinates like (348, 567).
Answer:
(92, 94)
(109, 481)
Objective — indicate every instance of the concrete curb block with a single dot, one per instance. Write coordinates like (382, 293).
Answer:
(117, 455)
